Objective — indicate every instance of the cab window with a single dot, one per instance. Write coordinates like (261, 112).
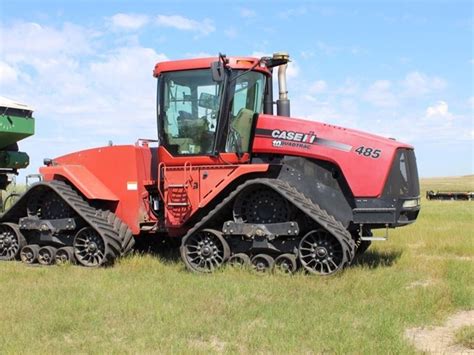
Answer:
(190, 108)
(246, 102)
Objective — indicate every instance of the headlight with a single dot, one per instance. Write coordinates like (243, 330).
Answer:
(411, 203)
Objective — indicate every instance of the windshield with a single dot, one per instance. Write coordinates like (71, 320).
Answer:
(189, 103)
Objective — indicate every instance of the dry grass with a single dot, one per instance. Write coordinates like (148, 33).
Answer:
(150, 304)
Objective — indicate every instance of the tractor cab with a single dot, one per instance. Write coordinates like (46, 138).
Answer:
(207, 107)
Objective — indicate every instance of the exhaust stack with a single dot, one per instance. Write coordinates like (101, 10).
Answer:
(283, 103)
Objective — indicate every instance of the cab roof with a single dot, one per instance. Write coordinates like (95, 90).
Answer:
(204, 63)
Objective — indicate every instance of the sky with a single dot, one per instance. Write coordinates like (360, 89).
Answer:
(398, 69)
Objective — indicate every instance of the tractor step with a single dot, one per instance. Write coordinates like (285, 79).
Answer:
(178, 204)
(370, 238)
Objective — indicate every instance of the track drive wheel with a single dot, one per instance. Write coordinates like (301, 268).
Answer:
(239, 260)
(262, 263)
(29, 253)
(11, 241)
(322, 253)
(89, 248)
(286, 263)
(205, 250)
(65, 255)
(47, 255)
(260, 204)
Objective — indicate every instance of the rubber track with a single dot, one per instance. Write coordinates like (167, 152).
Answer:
(125, 234)
(90, 215)
(311, 209)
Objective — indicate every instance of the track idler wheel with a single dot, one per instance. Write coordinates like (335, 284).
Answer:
(239, 260)
(322, 253)
(262, 263)
(89, 248)
(47, 255)
(286, 264)
(11, 241)
(29, 254)
(205, 250)
(65, 255)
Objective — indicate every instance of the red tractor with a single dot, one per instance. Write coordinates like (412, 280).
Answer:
(231, 180)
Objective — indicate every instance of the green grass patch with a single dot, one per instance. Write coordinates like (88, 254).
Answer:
(465, 337)
(149, 304)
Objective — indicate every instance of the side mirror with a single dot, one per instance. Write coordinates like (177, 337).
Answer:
(208, 101)
(217, 69)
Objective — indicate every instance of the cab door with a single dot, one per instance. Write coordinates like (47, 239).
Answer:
(192, 164)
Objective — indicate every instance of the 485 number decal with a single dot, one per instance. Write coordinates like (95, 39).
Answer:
(368, 152)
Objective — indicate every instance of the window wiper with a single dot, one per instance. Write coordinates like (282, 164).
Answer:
(245, 72)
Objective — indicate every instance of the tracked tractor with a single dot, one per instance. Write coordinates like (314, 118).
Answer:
(229, 179)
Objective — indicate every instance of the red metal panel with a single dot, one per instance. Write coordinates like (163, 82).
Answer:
(222, 159)
(82, 179)
(190, 188)
(123, 170)
(366, 175)
(203, 63)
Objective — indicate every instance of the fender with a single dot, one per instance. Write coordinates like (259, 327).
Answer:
(79, 176)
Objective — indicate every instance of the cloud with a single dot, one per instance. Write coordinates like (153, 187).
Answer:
(294, 12)
(326, 48)
(418, 84)
(27, 40)
(8, 74)
(380, 94)
(439, 110)
(81, 87)
(318, 87)
(247, 13)
(470, 102)
(200, 55)
(129, 21)
(349, 87)
(293, 70)
(182, 23)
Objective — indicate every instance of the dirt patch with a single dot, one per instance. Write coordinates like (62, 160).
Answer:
(441, 339)
(447, 257)
(212, 344)
(420, 283)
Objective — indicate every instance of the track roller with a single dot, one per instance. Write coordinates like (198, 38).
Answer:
(286, 263)
(11, 241)
(65, 255)
(322, 253)
(47, 255)
(239, 260)
(29, 253)
(205, 250)
(262, 263)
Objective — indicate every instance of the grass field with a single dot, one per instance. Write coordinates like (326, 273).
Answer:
(150, 304)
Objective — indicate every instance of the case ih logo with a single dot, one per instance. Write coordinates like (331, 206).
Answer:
(281, 138)
(294, 136)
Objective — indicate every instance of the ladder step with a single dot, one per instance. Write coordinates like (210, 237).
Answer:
(176, 186)
(178, 204)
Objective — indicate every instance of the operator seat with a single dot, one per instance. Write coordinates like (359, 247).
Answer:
(242, 124)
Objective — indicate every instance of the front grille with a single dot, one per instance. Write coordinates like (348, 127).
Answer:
(403, 178)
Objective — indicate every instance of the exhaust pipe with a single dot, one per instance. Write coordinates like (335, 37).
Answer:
(283, 103)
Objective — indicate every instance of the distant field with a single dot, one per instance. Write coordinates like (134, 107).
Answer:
(462, 183)
(152, 304)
